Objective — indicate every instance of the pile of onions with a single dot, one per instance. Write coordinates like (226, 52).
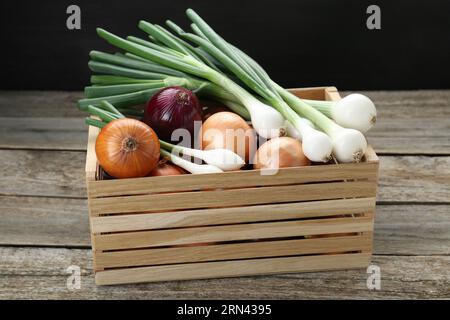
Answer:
(165, 168)
(279, 153)
(227, 130)
(127, 148)
(170, 109)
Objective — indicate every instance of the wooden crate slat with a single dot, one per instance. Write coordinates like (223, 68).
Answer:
(233, 268)
(143, 239)
(202, 217)
(236, 179)
(232, 197)
(133, 258)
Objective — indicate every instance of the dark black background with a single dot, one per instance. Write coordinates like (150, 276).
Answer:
(301, 43)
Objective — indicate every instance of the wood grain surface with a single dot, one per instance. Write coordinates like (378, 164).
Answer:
(409, 122)
(44, 220)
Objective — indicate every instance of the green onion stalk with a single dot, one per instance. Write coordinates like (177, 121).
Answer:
(266, 121)
(349, 145)
(316, 145)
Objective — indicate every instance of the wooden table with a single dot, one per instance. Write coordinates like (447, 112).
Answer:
(44, 220)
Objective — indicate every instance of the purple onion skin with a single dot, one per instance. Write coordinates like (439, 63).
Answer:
(170, 109)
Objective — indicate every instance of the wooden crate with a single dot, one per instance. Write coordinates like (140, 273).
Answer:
(230, 224)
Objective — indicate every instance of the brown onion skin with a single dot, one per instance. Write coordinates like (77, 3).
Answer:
(290, 154)
(221, 121)
(127, 148)
(165, 168)
(170, 109)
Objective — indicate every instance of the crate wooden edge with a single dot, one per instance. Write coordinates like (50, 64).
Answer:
(234, 268)
(235, 179)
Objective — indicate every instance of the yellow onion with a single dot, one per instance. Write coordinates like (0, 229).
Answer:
(280, 152)
(227, 130)
(165, 168)
(127, 148)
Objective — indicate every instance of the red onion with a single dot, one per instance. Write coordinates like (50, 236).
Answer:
(170, 109)
(164, 168)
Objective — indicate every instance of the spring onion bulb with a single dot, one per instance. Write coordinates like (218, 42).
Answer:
(293, 133)
(190, 166)
(316, 145)
(224, 159)
(349, 145)
(355, 111)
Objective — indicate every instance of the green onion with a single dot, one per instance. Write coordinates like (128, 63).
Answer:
(128, 62)
(190, 166)
(267, 121)
(102, 91)
(316, 145)
(110, 80)
(355, 111)
(105, 105)
(121, 100)
(101, 67)
(94, 122)
(223, 159)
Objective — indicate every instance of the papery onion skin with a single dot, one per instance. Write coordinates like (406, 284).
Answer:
(280, 152)
(214, 135)
(165, 168)
(172, 108)
(127, 148)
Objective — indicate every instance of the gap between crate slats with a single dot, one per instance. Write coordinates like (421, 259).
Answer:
(232, 268)
(144, 239)
(215, 252)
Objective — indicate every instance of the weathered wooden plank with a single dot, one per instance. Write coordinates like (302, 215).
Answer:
(409, 122)
(44, 221)
(61, 174)
(399, 229)
(43, 133)
(32, 273)
(419, 179)
(42, 173)
(412, 230)
(51, 104)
